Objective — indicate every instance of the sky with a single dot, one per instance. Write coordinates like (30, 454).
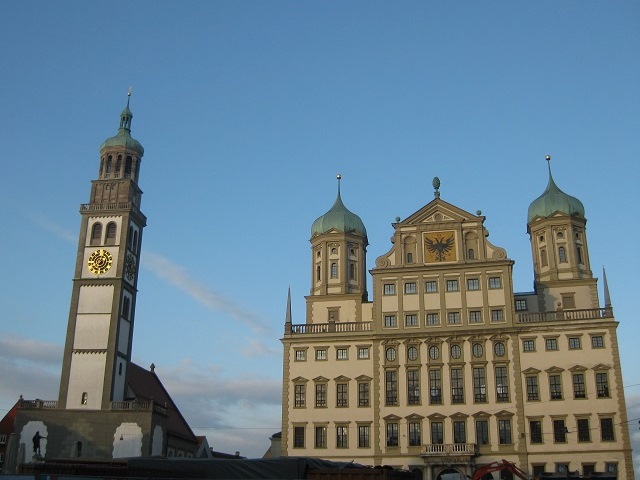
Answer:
(247, 110)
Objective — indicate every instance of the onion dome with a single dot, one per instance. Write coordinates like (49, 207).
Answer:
(339, 218)
(123, 138)
(554, 200)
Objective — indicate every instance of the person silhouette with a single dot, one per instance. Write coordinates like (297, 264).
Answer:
(36, 443)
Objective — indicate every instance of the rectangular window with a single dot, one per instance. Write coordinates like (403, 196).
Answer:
(321, 437)
(497, 315)
(321, 394)
(413, 387)
(555, 387)
(415, 435)
(410, 287)
(298, 437)
(363, 353)
(579, 390)
(482, 432)
(453, 318)
(363, 436)
(389, 289)
(551, 344)
(411, 320)
(300, 396)
(502, 385)
(334, 270)
(433, 319)
(390, 321)
(597, 341)
(559, 431)
(602, 384)
(610, 467)
(495, 282)
(452, 286)
(435, 387)
(473, 284)
(431, 286)
(532, 388)
(392, 434)
(342, 354)
(521, 305)
(459, 431)
(321, 354)
(529, 345)
(574, 343)
(606, 430)
(301, 355)
(479, 385)
(363, 394)
(342, 436)
(457, 386)
(391, 387)
(584, 432)
(475, 316)
(535, 430)
(342, 395)
(504, 431)
(437, 433)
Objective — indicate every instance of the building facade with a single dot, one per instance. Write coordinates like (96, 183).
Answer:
(447, 369)
(107, 407)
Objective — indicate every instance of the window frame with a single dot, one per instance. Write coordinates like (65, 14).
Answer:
(389, 289)
(495, 283)
(473, 284)
(431, 286)
(452, 285)
(410, 288)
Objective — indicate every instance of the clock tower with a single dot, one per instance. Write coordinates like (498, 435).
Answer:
(102, 313)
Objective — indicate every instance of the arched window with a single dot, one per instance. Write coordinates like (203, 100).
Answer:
(352, 271)
(334, 270)
(126, 307)
(409, 257)
(318, 273)
(108, 169)
(543, 258)
(118, 166)
(111, 233)
(470, 254)
(96, 233)
(562, 255)
(579, 250)
(127, 167)
(134, 245)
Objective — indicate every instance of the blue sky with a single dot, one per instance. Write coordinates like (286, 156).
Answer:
(247, 110)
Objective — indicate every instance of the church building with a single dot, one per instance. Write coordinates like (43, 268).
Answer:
(447, 369)
(107, 406)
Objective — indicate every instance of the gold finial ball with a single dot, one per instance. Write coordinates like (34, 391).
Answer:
(547, 158)
(338, 176)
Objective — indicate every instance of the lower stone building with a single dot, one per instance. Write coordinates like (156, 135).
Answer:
(446, 368)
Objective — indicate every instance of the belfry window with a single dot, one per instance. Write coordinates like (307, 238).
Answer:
(127, 167)
(96, 233)
(118, 166)
(108, 169)
(111, 234)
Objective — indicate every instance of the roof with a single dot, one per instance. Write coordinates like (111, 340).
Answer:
(338, 218)
(554, 200)
(123, 138)
(145, 385)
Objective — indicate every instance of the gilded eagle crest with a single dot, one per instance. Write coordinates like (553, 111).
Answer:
(440, 246)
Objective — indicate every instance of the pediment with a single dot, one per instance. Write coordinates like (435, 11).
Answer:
(531, 371)
(363, 378)
(601, 366)
(299, 380)
(414, 417)
(341, 378)
(391, 418)
(320, 379)
(578, 368)
(439, 211)
(554, 370)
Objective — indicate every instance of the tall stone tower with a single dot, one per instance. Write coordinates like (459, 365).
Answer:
(101, 318)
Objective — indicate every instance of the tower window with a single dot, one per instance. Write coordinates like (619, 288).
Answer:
(334, 270)
(134, 244)
(352, 271)
(126, 307)
(127, 167)
(118, 166)
(409, 257)
(108, 168)
(562, 255)
(470, 254)
(85, 398)
(96, 233)
(579, 250)
(111, 234)
(318, 273)
(543, 258)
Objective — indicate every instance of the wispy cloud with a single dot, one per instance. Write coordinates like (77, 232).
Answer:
(257, 348)
(178, 277)
(50, 227)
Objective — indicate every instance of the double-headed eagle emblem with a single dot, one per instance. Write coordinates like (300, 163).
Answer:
(440, 246)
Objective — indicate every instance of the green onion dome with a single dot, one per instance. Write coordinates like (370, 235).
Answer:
(339, 218)
(554, 200)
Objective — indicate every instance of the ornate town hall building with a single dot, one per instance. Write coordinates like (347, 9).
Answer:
(447, 368)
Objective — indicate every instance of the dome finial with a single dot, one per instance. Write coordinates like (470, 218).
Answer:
(436, 187)
(338, 177)
(129, 94)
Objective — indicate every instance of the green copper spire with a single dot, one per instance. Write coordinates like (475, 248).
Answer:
(554, 200)
(123, 138)
(339, 218)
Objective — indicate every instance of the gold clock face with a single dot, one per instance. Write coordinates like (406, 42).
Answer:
(100, 262)
(440, 247)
